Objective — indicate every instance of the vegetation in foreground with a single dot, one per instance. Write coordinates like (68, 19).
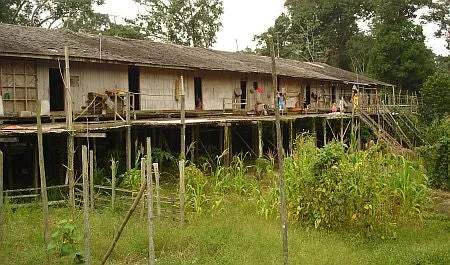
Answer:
(232, 236)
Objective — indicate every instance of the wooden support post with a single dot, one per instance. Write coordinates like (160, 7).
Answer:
(342, 129)
(94, 144)
(182, 190)
(70, 139)
(42, 176)
(91, 177)
(128, 129)
(194, 136)
(86, 226)
(143, 174)
(291, 136)
(227, 144)
(151, 246)
(280, 159)
(359, 135)
(158, 189)
(1, 197)
(124, 223)
(113, 183)
(260, 140)
(324, 127)
(313, 129)
(183, 122)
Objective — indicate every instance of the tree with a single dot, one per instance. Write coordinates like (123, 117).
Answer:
(399, 55)
(316, 30)
(185, 22)
(77, 15)
(436, 96)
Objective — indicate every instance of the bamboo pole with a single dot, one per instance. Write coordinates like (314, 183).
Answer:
(128, 130)
(260, 140)
(86, 227)
(143, 166)
(183, 122)
(42, 176)
(124, 223)
(227, 144)
(70, 139)
(324, 128)
(91, 177)
(314, 131)
(280, 160)
(113, 183)
(151, 228)
(342, 128)
(182, 190)
(158, 189)
(1, 197)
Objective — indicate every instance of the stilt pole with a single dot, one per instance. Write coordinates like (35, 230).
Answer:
(280, 161)
(86, 226)
(260, 139)
(42, 176)
(151, 228)
(70, 139)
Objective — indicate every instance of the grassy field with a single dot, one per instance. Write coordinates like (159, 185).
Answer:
(236, 235)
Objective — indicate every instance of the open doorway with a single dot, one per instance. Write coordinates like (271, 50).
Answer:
(244, 94)
(56, 90)
(198, 93)
(133, 85)
(308, 95)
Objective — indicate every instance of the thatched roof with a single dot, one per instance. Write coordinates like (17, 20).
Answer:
(30, 42)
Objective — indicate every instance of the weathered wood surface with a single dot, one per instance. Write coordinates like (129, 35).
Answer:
(44, 199)
(86, 225)
(151, 228)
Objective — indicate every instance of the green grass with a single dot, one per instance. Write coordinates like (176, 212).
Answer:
(234, 236)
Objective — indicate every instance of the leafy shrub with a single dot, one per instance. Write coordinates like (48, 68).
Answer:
(365, 190)
(436, 155)
(65, 241)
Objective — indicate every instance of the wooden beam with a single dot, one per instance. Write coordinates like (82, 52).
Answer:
(91, 178)
(280, 159)
(260, 140)
(69, 124)
(151, 228)
(44, 198)
(128, 131)
(183, 122)
(86, 226)
(1, 197)
(90, 135)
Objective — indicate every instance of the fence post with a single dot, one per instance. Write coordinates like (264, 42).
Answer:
(113, 183)
(143, 166)
(151, 246)
(1, 196)
(158, 197)
(91, 177)
(182, 190)
(86, 228)
(42, 175)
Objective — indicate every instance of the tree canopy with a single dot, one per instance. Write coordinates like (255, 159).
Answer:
(73, 14)
(191, 23)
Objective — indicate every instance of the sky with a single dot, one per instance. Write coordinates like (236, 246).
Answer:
(242, 19)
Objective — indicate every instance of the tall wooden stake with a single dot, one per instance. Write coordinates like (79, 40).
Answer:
(113, 183)
(143, 174)
(342, 128)
(151, 246)
(158, 188)
(227, 144)
(86, 227)
(183, 122)
(260, 140)
(70, 139)
(314, 130)
(42, 175)
(1, 196)
(291, 136)
(182, 190)
(280, 160)
(91, 177)
(128, 129)
(324, 127)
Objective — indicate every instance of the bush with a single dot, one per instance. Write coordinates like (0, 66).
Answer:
(365, 190)
(436, 155)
